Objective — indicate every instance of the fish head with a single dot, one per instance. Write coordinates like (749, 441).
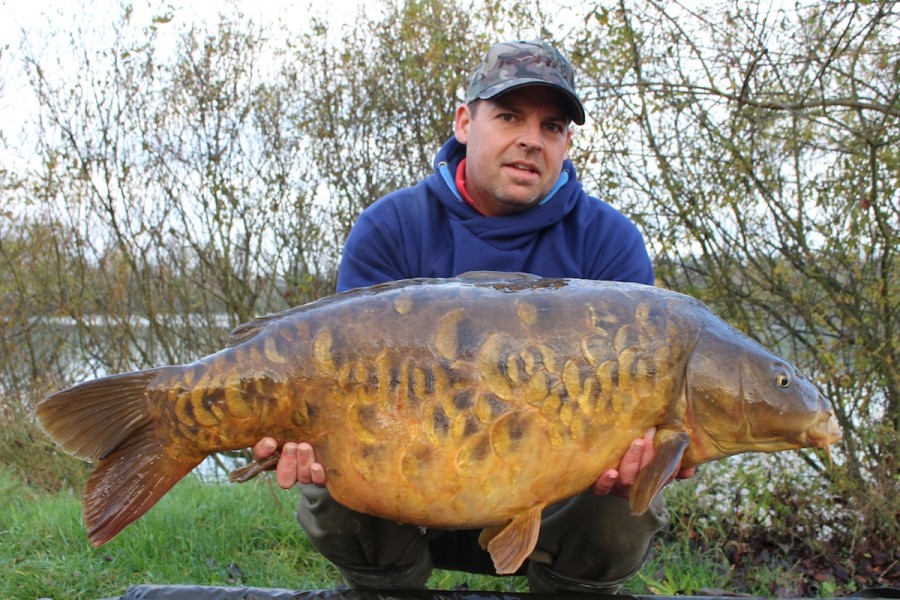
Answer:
(743, 398)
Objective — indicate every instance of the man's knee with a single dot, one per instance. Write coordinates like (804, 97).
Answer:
(587, 544)
(593, 543)
(371, 553)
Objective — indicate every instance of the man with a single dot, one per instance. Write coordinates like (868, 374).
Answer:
(504, 197)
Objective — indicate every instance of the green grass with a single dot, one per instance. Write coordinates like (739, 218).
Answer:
(200, 534)
(246, 535)
(197, 534)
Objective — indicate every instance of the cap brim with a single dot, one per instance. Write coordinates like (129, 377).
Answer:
(576, 109)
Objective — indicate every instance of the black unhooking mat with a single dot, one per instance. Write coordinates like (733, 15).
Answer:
(197, 592)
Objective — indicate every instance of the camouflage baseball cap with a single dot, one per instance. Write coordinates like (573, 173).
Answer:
(509, 65)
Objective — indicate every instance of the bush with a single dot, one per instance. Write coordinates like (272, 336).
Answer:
(782, 528)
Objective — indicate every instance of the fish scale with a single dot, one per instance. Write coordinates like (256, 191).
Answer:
(470, 402)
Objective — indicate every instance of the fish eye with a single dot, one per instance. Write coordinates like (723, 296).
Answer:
(782, 379)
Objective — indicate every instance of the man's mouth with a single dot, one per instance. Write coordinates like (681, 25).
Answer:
(524, 167)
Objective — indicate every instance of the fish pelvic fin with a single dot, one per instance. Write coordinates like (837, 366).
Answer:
(107, 421)
(510, 544)
(670, 446)
(249, 471)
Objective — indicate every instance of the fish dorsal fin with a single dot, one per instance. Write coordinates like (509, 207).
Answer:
(245, 331)
(510, 544)
(669, 445)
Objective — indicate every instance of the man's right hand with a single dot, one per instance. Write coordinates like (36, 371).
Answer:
(297, 463)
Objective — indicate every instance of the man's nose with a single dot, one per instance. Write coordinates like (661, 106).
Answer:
(530, 136)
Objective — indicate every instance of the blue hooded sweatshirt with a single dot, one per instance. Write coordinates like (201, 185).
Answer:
(428, 230)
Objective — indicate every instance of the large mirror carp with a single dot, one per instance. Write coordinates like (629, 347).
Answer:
(453, 403)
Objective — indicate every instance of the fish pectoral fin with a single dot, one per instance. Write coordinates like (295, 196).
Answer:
(249, 471)
(669, 449)
(510, 544)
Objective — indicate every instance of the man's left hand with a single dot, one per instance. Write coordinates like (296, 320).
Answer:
(640, 453)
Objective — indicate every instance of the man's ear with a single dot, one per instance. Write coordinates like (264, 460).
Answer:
(461, 123)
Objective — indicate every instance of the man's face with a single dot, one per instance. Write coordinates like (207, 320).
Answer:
(515, 147)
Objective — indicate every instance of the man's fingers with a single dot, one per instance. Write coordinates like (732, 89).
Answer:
(308, 470)
(686, 473)
(605, 483)
(297, 464)
(264, 448)
(305, 459)
(286, 469)
(649, 450)
(632, 461)
(317, 474)
(637, 456)
(305, 454)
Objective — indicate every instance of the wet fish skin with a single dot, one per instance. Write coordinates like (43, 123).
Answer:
(460, 403)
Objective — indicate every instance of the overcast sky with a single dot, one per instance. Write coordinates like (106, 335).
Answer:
(41, 19)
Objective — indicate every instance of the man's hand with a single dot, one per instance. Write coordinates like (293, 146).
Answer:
(618, 482)
(297, 463)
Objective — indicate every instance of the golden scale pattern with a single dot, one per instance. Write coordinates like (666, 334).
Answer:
(620, 362)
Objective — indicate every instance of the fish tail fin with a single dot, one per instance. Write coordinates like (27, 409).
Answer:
(128, 482)
(108, 421)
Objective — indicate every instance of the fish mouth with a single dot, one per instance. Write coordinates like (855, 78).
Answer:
(825, 432)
